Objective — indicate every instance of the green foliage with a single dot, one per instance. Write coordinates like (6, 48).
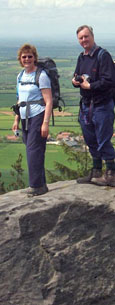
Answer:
(17, 174)
(2, 188)
(80, 157)
(51, 177)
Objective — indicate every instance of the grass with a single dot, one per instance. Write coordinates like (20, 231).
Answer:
(66, 123)
(9, 154)
(10, 98)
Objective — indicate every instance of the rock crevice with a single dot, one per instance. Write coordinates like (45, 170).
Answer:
(59, 248)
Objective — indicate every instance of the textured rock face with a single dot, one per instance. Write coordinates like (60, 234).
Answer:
(59, 248)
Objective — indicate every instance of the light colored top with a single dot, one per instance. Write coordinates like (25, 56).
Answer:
(31, 92)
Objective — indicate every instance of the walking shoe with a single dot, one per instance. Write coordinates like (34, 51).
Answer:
(37, 191)
(108, 179)
(111, 177)
(102, 181)
(94, 173)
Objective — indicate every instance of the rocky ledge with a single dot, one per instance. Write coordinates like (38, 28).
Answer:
(58, 248)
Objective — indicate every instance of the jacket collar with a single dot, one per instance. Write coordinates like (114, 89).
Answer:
(92, 50)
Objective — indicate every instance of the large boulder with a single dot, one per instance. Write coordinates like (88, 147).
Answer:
(58, 248)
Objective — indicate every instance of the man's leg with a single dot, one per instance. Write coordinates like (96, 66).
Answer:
(88, 129)
(104, 120)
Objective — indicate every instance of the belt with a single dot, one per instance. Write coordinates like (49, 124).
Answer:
(27, 104)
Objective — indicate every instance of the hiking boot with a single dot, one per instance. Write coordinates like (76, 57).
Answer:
(102, 181)
(108, 179)
(94, 173)
(37, 191)
(111, 177)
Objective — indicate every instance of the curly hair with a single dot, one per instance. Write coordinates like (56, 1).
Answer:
(27, 48)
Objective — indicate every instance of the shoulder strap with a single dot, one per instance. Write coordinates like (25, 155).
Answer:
(25, 83)
(20, 75)
(18, 81)
(37, 75)
(100, 53)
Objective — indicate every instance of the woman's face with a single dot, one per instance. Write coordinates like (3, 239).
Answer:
(27, 60)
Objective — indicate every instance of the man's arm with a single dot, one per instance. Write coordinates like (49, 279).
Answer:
(106, 73)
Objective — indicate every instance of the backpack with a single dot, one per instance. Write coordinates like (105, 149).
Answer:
(99, 56)
(49, 66)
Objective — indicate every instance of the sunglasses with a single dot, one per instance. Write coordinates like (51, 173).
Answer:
(27, 56)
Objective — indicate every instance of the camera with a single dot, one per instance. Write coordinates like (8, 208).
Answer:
(78, 78)
(87, 77)
(16, 133)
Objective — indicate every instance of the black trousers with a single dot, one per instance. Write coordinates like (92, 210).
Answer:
(35, 150)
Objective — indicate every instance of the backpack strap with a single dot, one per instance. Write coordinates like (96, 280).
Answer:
(25, 83)
(36, 82)
(100, 54)
(28, 103)
(18, 81)
(37, 75)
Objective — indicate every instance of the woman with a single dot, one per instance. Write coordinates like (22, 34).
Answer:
(34, 129)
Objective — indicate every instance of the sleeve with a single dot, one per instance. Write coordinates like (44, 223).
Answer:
(17, 88)
(106, 78)
(44, 81)
(17, 85)
(77, 70)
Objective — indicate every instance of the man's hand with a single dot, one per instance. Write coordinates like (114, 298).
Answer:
(85, 84)
(75, 82)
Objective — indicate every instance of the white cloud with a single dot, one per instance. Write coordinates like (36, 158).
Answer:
(69, 3)
(109, 1)
(61, 4)
(44, 3)
(55, 18)
(17, 3)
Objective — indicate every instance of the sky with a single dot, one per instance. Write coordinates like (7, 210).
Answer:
(56, 19)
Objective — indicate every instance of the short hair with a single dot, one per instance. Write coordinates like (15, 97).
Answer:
(27, 48)
(82, 27)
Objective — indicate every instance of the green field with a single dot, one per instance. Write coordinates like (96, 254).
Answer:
(9, 153)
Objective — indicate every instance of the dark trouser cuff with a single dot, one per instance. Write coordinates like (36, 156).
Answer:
(97, 163)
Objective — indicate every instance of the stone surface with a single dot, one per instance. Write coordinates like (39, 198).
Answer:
(58, 248)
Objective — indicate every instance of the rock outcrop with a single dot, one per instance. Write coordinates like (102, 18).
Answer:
(58, 248)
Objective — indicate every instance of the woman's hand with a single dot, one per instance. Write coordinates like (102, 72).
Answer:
(45, 129)
(15, 125)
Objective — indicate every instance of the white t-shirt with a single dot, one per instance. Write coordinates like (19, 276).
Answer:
(31, 92)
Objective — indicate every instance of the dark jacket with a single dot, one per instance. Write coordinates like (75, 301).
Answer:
(101, 73)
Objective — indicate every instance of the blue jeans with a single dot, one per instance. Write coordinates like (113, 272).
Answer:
(97, 126)
(35, 150)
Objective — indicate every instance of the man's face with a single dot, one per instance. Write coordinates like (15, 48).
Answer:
(86, 39)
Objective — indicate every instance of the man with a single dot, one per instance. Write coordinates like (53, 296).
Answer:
(96, 106)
